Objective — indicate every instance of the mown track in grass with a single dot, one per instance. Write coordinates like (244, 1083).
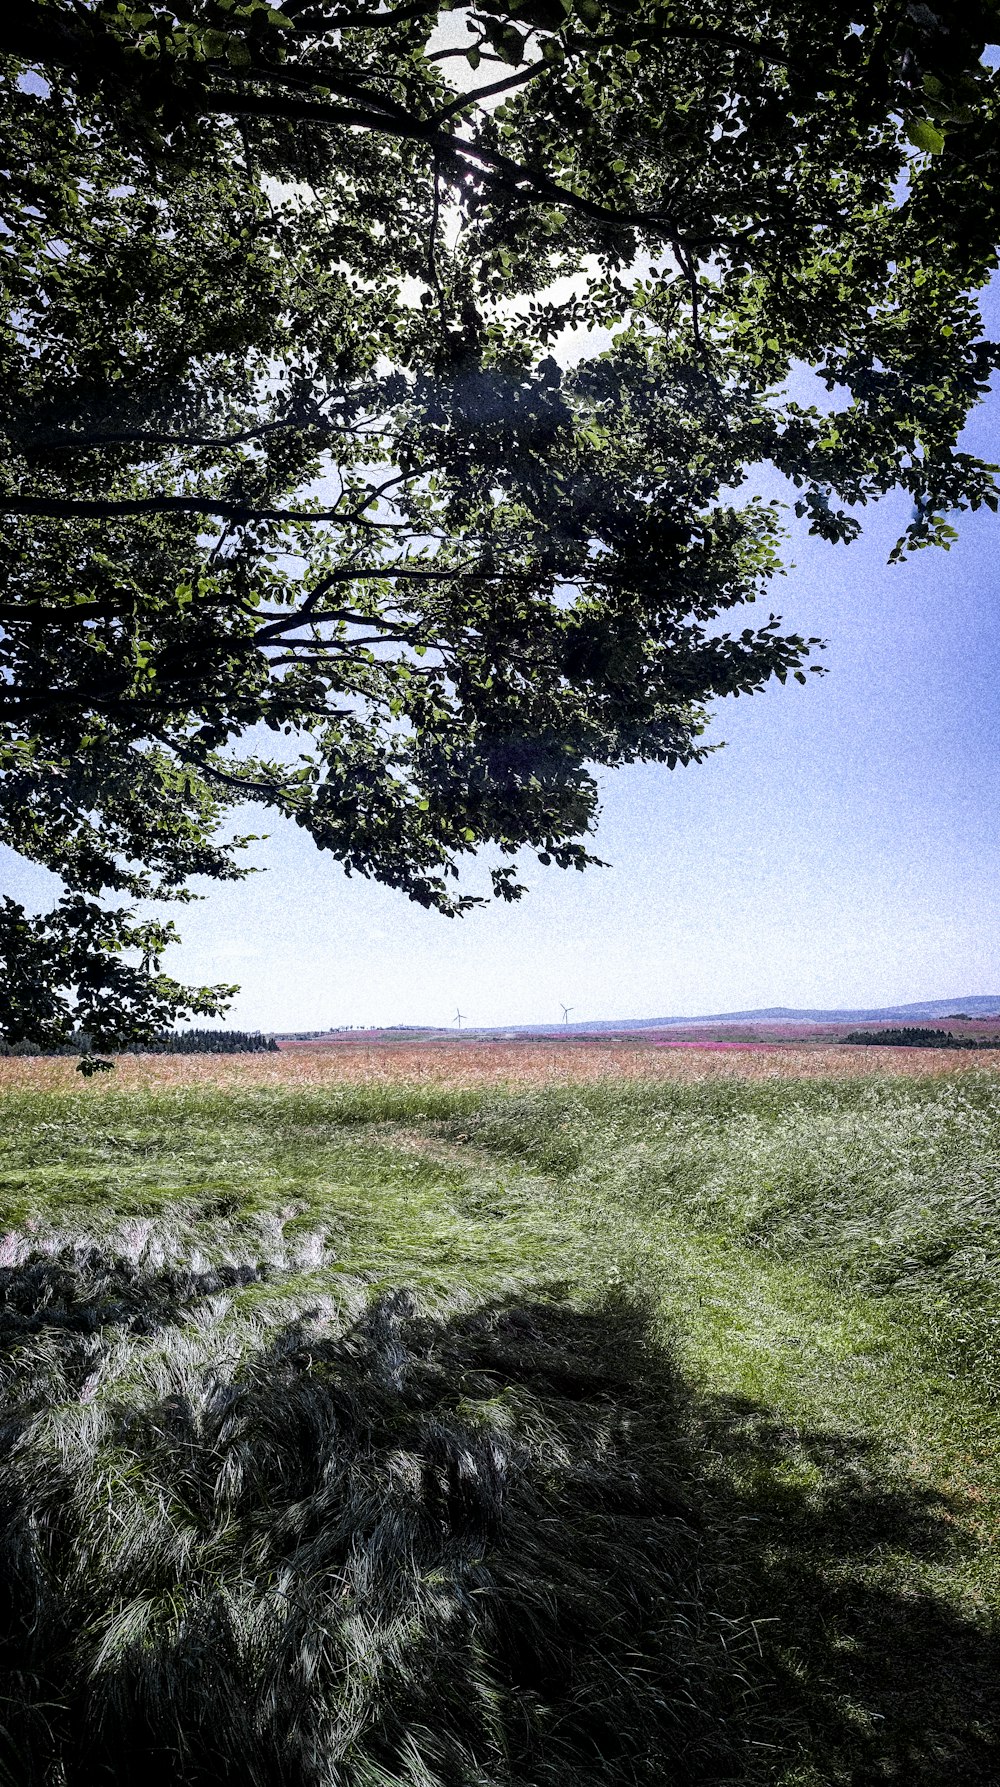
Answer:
(400, 1435)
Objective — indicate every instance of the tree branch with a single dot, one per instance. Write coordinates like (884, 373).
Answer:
(467, 100)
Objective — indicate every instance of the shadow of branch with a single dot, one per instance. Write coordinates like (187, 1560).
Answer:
(500, 1547)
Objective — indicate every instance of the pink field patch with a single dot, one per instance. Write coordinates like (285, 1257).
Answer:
(513, 1066)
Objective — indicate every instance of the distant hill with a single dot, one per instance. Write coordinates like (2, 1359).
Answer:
(979, 1007)
(973, 1005)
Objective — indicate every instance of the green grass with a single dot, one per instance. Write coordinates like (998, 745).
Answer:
(891, 1187)
(624, 1434)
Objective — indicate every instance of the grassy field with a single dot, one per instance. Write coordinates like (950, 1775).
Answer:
(478, 1418)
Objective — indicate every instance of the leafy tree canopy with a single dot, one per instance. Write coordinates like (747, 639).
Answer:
(313, 427)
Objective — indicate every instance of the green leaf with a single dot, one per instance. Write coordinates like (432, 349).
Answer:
(507, 41)
(926, 136)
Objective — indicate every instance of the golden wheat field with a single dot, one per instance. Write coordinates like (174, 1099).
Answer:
(492, 1064)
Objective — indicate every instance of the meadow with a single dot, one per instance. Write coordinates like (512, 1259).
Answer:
(501, 1416)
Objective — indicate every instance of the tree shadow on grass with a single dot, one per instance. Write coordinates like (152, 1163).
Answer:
(865, 1675)
(85, 1290)
(504, 1547)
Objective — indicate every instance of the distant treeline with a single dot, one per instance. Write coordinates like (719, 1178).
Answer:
(169, 1042)
(210, 1042)
(916, 1038)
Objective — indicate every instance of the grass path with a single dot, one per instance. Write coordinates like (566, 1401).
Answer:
(853, 1491)
(870, 1500)
(854, 1496)
(745, 1327)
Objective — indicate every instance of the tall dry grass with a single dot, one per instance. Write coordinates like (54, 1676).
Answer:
(514, 1066)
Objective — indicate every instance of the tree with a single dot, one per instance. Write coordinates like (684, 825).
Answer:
(294, 441)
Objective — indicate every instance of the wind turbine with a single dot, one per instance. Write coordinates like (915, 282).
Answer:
(566, 1009)
(459, 1015)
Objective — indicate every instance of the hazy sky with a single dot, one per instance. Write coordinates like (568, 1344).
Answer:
(844, 848)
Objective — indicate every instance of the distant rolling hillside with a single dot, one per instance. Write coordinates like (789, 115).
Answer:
(974, 1005)
(977, 1006)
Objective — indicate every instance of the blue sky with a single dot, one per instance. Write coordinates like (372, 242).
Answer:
(843, 849)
